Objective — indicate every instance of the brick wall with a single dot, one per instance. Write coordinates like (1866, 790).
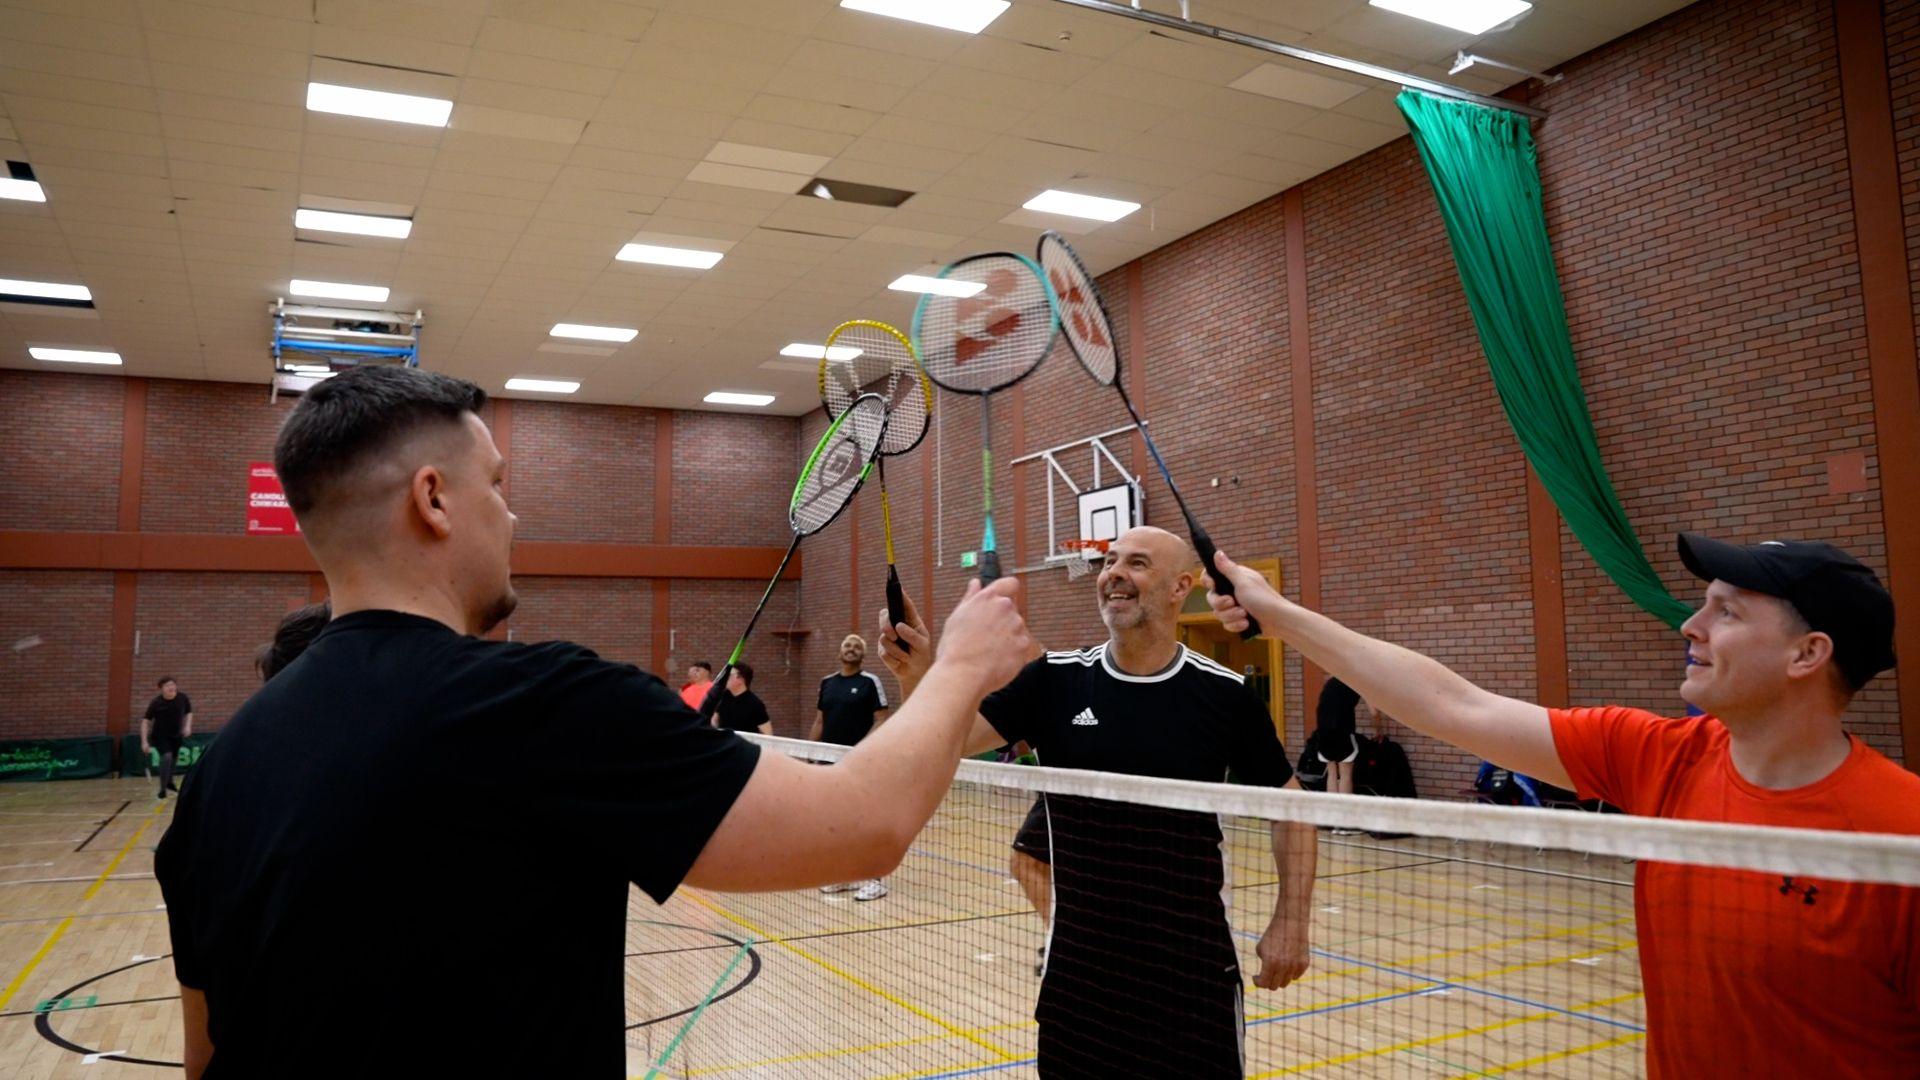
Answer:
(57, 688)
(582, 472)
(202, 629)
(61, 433)
(200, 438)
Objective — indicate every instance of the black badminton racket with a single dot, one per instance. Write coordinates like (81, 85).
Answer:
(1089, 333)
(864, 356)
(988, 329)
(833, 473)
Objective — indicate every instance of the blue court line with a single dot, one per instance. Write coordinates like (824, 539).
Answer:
(1439, 984)
(978, 1069)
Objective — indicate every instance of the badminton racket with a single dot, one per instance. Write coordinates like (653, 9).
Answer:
(866, 356)
(1089, 333)
(834, 471)
(988, 329)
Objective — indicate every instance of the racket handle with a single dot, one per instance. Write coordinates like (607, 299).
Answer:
(711, 703)
(896, 605)
(1222, 584)
(989, 567)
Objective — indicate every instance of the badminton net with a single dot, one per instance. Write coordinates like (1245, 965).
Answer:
(1446, 938)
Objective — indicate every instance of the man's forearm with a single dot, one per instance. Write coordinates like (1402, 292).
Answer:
(907, 765)
(186, 728)
(1296, 856)
(146, 730)
(819, 727)
(193, 1023)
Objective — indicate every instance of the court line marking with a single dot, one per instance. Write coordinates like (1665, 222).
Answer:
(1458, 983)
(1557, 1055)
(839, 933)
(91, 915)
(61, 930)
(849, 976)
(102, 826)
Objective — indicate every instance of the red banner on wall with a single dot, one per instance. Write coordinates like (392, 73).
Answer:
(267, 511)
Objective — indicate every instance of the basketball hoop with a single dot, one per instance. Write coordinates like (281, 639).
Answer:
(1080, 555)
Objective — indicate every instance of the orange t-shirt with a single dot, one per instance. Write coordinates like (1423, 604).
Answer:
(694, 693)
(1750, 974)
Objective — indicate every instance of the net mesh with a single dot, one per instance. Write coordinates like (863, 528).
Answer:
(839, 463)
(883, 363)
(1083, 315)
(1446, 939)
(979, 343)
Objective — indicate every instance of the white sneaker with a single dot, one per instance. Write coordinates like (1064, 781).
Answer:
(844, 886)
(871, 890)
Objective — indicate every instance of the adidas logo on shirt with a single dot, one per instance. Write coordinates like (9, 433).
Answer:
(1086, 719)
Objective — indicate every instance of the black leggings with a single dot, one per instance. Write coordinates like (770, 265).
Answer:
(169, 755)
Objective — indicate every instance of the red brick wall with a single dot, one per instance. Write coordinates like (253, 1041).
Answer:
(1707, 256)
(57, 689)
(582, 472)
(731, 483)
(200, 438)
(202, 629)
(61, 435)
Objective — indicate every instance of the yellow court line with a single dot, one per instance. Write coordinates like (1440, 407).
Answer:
(60, 930)
(847, 1051)
(1498, 943)
(1558, 1055)
(856, 980)
(1461, 1034)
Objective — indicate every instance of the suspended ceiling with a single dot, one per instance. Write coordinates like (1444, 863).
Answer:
(173, 144)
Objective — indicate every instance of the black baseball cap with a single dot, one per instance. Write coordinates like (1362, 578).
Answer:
(1832, 590)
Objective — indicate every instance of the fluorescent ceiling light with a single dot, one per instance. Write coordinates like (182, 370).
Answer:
(24, 190)
(668, 256)
(46, 290)
(1468, 16)
(971, 16)
(358, 224)
(74, 356)
(920, 283)
(378, 104)
(820, 352)
(593, 333)
(544, 386)
(1052, 201)
(338, 290)
(728, 397)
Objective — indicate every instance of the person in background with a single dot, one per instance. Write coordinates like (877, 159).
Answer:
(295, 632)
(852, 703)
(699, 681)
(166, 725)
(741, 709)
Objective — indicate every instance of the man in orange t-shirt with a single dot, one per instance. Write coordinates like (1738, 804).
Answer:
(699, 681)
(1745, 973)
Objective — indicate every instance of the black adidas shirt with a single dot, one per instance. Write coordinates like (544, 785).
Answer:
(346, 846)
(1141, 968)
(847, 706)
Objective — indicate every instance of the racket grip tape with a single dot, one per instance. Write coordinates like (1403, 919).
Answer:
(711, 703)
(1222, 584)
(989, 566)
(896, 606)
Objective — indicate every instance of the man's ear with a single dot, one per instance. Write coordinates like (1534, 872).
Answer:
(427, 496)
(1809, 653)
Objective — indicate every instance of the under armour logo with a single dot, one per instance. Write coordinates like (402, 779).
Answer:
(1805, 892)
(1086, 719)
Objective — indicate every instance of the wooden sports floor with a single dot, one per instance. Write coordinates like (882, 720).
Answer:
(1431, 958)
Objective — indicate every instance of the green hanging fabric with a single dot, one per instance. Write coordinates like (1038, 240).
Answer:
(1481, 162)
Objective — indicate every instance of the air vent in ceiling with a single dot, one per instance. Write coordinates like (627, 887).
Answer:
(847, 191)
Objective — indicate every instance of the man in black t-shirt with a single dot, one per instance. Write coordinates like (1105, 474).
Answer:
(741, 709)
(851, 701)
(850, 704)
(328, 846)
(1141, 973)
(166, 725)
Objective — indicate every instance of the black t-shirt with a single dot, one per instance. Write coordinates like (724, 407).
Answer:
(169, 717)
(847, 703)
(1139, 892)
(745, 712)
(346, 841)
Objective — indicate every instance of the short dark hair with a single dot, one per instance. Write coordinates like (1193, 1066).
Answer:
(746, 674)
(164, 680)
(356, 413)
(296, 631)
(702, 664)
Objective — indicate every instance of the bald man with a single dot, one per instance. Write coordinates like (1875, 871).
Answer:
(1141, 974)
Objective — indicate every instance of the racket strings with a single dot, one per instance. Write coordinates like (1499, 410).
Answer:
(980, 343)
(884, 365)
(839, 463)
(1083, 317)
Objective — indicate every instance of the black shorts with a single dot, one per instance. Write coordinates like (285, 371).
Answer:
(1034, 839)
(164, 744)
(1203, 1035)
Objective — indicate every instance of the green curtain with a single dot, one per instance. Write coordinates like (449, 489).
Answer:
(1481, 162)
